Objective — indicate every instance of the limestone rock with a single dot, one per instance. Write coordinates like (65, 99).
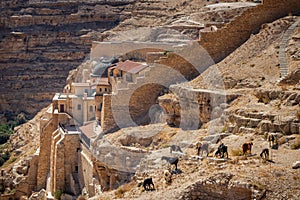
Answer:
(296, 165)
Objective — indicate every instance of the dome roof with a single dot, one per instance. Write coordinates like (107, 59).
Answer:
(101, 67)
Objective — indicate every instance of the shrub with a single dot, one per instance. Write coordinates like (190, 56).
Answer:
(165, 145)
(224, 129)
(57, 194)
(296, 144)
(236, 152)
(119, 193)
(4, 157)
(2, 161)
(5, 132)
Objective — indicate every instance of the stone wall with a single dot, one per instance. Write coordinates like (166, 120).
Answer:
(64, 166)
(189, 108)
(130, 106)
(107, 119)
(225, 40)
(87, 172)
(130, 102)
(47, 156)
(56, 136)
(32, 174)
(212, 190)
(70, 144)
(44, 154)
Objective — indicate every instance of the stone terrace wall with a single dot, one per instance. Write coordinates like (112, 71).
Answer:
(222, 42)
(212, 191)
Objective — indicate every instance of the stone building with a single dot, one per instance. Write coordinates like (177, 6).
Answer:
(66, 132)
(127, 71)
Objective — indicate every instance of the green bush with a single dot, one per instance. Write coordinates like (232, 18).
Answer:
(4, 157)
(57, 194)
(296, 144)
(5, 132)
(2, 161)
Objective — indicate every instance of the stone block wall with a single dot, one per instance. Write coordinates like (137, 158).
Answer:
(220, 186)
(59, 178)
(222, 42)
(211, 191)
(47, 156)
(32, 174)
(56, 136)
(180, 65)
(63, 161)
(107, 119)
(190, 108)
(87, 175)
(70, 144)
(44, 155)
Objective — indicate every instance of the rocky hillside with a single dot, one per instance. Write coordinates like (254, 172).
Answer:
(264, 105)
(238, 177)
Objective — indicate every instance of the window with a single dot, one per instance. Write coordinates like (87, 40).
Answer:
(129, 77)
(105, 89)
(100, 89)
(86, 91)
(62, 108)
(79, 107)
(91, 109)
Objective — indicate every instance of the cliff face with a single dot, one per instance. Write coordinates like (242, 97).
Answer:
(41, 41)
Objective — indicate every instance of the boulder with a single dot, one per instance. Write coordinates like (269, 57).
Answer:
(296, 165)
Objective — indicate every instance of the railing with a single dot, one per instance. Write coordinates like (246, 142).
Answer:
(85, 139)
(61, 126)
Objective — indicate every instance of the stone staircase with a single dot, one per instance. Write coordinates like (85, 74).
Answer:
(282, 54)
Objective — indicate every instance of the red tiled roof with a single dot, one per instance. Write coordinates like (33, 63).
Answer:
(130, 66)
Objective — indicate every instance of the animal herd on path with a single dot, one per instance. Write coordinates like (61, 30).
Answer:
(204, 147)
